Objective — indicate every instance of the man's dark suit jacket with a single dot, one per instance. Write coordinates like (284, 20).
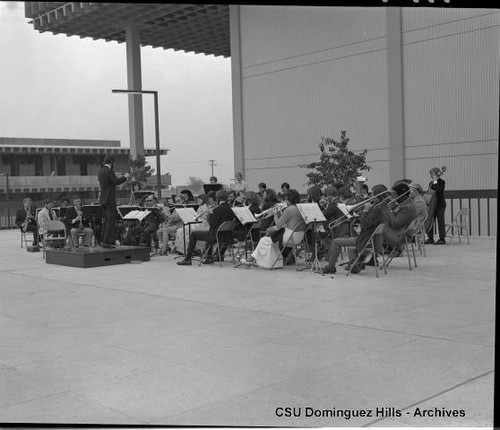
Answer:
(71, 215)
(21, 216)
(108, 182)
(221, 213)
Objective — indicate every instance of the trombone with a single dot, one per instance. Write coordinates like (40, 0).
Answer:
(278, 207)
(347, 209)
(393, 203)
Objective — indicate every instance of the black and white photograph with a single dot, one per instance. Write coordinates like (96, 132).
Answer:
(248, 215)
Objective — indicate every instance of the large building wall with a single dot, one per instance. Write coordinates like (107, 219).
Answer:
(451, 94)
(308, 72)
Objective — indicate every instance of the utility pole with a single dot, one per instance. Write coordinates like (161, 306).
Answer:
(212, 163)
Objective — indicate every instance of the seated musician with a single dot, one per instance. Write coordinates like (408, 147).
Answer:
(240, 231)
(77, 225)
(151, 222)
(365, 192)
(400, 218)
(187, 196)
(419, 202)
(332, 213)
(285, 187)
(26, 219)
(290, 224)
(313, 194)
(270, 200)
(182, 234)
(373, 214)
(44, 216)
(231, 197)
(220, 214)
(262, 188)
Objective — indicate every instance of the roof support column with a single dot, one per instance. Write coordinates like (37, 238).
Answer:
(239, 152)
(395, 89)
(134, 81)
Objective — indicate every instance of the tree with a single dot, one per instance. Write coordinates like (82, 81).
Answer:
(140, 171)
(337, 164)
(196, 184)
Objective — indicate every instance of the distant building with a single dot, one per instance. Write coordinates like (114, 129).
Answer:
(52, 168)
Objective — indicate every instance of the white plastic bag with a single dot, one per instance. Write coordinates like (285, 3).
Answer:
(266, 253)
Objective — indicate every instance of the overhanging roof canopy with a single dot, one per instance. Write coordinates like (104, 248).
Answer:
(198, 28)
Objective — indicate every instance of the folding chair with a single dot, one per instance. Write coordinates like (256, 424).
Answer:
(242, 246)
(296, 238)
(372, 247)
(420, 236)
(52, 227)
(225, 227)
(458, 224)
(405, 245)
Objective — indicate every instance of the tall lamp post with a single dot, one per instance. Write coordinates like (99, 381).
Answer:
(157, 130)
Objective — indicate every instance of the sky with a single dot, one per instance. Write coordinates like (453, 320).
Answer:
(54, 86)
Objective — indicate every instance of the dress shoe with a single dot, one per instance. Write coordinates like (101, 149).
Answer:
(184, 263)
(329, 270)
(216, 258)
(429, 242)
(107, 245)
(440, 242)
(357, 268)
(208, 260)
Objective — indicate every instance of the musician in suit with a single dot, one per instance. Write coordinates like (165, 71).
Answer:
(151, 223)
(107, 199)
(419, 202)
(398, 220)
(436, 185)
(374, 213)
(44, 215)
(262, 188)
(220, 214)
(290, 225)
(26, 219)
(77, 225)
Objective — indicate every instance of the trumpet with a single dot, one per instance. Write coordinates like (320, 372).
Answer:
(278, 207)
(347, 209)
(209, 209)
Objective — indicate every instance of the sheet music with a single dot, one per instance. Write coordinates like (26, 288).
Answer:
(311, 212)
(138, 215)
(244, 215)
(187, 215)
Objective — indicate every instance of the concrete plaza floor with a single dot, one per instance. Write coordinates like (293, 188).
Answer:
(163, 344)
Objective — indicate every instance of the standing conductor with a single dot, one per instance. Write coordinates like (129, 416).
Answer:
(107, 183)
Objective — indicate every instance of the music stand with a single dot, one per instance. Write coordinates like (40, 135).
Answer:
(212, 187)
(311, 213)
(188, 217)
(244, 216)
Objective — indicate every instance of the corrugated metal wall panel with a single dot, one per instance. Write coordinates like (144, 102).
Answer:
(422, 17)
(270, 33)
(290, 104)
(476, 172)
(451, 87)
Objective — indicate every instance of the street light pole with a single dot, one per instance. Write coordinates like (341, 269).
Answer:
(157, 132)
